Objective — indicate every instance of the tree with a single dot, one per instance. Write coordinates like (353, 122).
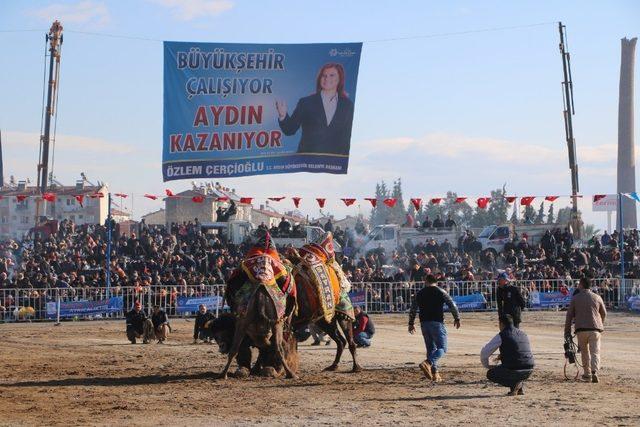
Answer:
(529, 214)
(514, 214)
(461, 213)
(397, 214)
(497, 210)
(540, 216)
(550, 216)
(564, 215)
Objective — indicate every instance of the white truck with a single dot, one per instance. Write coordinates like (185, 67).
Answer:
(493, 237)
(237, 231)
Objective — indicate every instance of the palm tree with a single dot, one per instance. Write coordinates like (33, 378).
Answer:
(590, 230)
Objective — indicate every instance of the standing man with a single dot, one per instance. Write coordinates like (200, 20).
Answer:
(138, 326)
(515, 356)
(587, 312)
(429, 301)
(509, 299)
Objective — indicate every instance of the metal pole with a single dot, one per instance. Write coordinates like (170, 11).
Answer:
(58, 307)
(108, 257)
(621, 229)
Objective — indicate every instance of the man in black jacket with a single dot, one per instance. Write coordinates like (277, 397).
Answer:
(509, 299)
(515, 356)
(429, 301)
(138, 326)
(200, 330)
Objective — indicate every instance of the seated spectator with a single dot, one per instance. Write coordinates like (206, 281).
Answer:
(515, 356)
(138, 326)
(363, 329)
(200, 329)
(161, 325)
(437, 223)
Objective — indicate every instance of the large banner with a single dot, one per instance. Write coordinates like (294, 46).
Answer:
(358, 298)
(251, 109)
(550, 299)
(469, 302)
(191, 304)
(86, 308)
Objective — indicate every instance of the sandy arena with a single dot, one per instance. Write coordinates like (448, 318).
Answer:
(86, 373)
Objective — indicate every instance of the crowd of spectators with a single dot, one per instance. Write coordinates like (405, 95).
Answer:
(161, 264)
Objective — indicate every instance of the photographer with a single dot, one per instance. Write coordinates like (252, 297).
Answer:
(587, 312)
(515, 356)
(200, 330)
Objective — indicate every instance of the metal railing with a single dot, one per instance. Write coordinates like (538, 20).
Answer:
(374, 297)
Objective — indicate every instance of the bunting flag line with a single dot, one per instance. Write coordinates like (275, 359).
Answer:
(276, 199)
(372, 200)
(246, 200)
(348, 202)
(483, 202)
(151, 196)
(416, 203)
(390, 202)
(124, 196)
(296, 201)
(460, 199)
(633, 196)
(80, 199)
(321, 202)
(169, 193)
(526, 201)
(197, 199)
(49, 197)
(598, 197)
(21, 197)
(510, 199)
(436, 201)
(551, 198)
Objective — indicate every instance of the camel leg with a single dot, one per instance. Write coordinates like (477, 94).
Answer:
(279, 348)
(331, 329)
(238, 336)
(347, 328)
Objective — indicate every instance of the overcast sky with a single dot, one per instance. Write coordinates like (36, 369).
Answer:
(465, 112)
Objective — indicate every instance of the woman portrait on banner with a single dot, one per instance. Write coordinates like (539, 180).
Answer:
(325, 117)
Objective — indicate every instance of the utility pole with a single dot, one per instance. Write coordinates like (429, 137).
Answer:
(54, 38)
(569, 111)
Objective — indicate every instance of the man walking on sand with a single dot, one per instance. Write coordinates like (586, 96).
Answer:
(587, 312)
(429, 301)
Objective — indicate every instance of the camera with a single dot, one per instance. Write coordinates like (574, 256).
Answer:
(569, 351)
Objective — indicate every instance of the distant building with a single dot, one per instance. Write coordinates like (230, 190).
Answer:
(18, 217)
(268, 216)
(120, 215)
(183, 208)
(155, 218)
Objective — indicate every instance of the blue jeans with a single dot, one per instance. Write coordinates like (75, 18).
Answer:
(435, 341)
(363, 338)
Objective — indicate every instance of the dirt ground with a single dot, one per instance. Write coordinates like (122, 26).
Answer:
(83, 373)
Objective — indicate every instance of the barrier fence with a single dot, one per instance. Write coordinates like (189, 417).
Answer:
(397, 297)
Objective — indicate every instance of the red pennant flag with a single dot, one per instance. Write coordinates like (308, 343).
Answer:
(321, 202)
(510, 199)
(246, 200)
(460, 199)
(598, 197)
(416, 203)
(124, 196)
(296, 201)
(391, 202)
(79, 198)
(197, 199)
(96, 195)
(436, 201)
(551, 198)
(21, 197)
(348, 202)
(526, 201)
(373, 201)
(276, 199)
(223, 199)
(483, 202)
(169, 193)
(49, 197)
(151, 196)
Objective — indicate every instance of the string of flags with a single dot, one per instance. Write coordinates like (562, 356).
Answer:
(390, 202)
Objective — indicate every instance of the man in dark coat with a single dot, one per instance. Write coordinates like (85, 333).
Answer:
(200, 330)
(138, 326)
(509, 299)
(516, 357)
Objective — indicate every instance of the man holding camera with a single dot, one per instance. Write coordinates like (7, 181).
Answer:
(587, 312)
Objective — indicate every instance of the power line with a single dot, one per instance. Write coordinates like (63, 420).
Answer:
(387, 40)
